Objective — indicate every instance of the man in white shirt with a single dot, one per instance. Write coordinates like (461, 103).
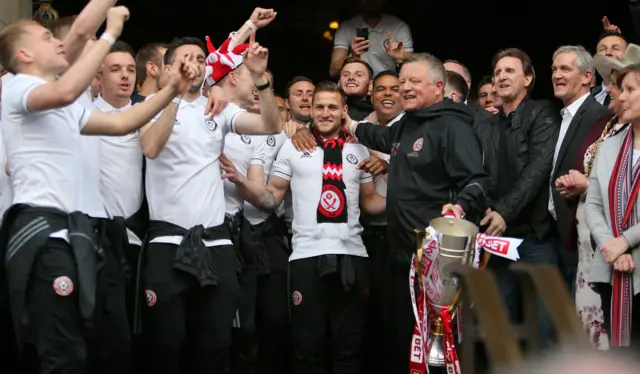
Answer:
(119, 170)
(329, 270)
(191, 271)
(46, 235)
(572, 70)
(6, 193)
(377, 49)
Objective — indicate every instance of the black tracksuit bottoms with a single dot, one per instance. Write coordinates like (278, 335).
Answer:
(326, 314)
(187, 327)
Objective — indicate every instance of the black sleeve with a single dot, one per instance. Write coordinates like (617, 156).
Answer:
(375, 137)
(463, 162)
(542, 136)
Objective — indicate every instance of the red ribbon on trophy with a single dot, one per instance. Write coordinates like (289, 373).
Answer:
(431, 288)
(451, 361)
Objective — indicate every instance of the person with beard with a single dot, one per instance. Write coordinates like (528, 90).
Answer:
(329, 269)
(299, 94)
(355, 80)
(191, 301)
(435, 167)
(54, 264)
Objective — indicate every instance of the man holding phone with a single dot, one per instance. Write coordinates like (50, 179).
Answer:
(379, 39)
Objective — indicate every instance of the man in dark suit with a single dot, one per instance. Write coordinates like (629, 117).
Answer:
(572, 70)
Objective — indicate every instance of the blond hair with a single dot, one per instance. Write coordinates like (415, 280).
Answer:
(9, 38)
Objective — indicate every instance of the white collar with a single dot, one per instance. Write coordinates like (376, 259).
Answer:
(199, 101)
(104, 106)
(573, 107)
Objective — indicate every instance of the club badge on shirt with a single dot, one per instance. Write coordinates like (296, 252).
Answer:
(352, 159)
(211, 124)
(271, 141)
(331, 201)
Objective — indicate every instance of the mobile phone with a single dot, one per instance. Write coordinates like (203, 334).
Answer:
(362, 32)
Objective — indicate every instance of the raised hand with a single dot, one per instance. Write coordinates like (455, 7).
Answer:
(374, 165)
(183, 72)
(395, 49)
(607, 26)
(262, 17)
(116, 17)
(256, 57)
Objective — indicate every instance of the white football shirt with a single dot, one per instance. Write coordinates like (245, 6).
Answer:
(272, 145)
(6, 191)
(242, 150)
(120, 171)
(304, 171)
(43, 148)
(90, 198)
(183, 183)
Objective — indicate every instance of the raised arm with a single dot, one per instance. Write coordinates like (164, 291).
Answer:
(78, 77)
(155, 134)
(132, 119)
(85, 27)
(269, 121)
(259, 19)
(372, 136)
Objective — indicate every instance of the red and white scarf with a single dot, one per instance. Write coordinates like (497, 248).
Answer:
(623, 192)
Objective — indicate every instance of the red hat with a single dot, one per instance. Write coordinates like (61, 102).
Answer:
(221, 61)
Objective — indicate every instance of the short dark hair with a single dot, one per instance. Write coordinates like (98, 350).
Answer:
(487, 79)
(59, 24)
(147, 53)
(296, 79)
(179, 42)
(527, 65)
(120, 46)
(384, 73)
(457, 84)
(608, 33)
(357, 60)
(328, 86)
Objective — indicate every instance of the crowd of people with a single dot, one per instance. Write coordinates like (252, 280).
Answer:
(167, 211)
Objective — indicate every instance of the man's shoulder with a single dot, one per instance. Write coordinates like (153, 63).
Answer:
(593, 106)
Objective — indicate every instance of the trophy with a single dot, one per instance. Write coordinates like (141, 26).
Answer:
(457, 239)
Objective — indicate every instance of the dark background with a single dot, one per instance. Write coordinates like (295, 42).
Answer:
(470, 32)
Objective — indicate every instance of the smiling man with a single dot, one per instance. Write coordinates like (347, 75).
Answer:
(520, 165)
(355, 81)
(572, 70)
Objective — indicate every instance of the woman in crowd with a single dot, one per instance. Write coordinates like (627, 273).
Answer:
(612, 216)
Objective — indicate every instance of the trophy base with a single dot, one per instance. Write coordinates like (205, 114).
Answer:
(436, 350)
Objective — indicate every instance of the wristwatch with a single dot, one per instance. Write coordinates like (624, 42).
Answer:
(264, 86)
